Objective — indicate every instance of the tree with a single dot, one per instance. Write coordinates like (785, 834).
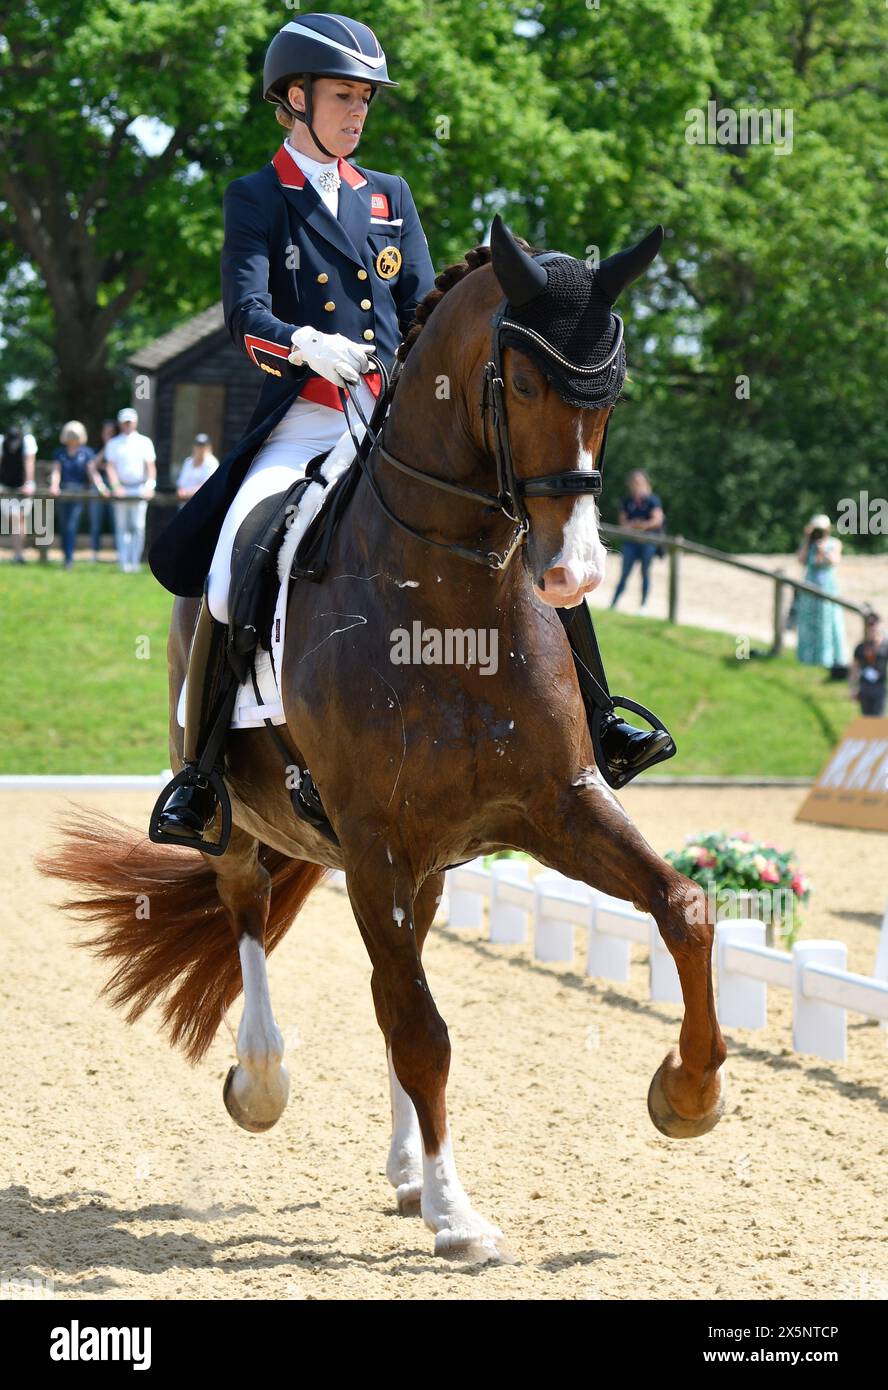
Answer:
(103, 223)
(761, 366)
(110, 237)
(756, 342)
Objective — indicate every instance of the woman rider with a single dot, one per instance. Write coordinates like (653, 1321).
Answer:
(322, 261)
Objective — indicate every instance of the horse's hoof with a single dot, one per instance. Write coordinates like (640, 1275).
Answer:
(667, 1119)
(409, 1195)
(255, 1106)
(481, 1247)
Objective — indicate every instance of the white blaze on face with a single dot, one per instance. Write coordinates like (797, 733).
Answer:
(579, 566)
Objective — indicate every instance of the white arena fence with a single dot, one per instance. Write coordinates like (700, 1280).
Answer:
(547, 910)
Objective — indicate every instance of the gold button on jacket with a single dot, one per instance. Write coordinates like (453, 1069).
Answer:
(362, 275)
(330, 304)
(368, 333)
(366, 303)
(323, 278)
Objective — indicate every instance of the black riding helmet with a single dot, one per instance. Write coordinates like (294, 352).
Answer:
(322, 45)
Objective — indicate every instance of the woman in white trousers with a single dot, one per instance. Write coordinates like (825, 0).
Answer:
(307, 429)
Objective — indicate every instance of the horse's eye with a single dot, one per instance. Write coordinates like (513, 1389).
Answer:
(522, 386)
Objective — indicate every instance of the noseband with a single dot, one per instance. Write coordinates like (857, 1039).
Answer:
(511, 490)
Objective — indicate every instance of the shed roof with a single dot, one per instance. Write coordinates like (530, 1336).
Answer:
(179, 340)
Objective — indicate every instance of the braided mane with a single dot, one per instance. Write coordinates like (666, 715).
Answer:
(444, 281)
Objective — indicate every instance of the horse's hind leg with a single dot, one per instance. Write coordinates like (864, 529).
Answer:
(383, 896)
(590, 837)
(404, 1164)
(255, 1090)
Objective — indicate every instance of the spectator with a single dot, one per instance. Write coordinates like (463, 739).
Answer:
(821, 627)
(100, 507)
(18, 453)
(868, 671)
(200, 464)
(70, 473)
(641, 511)
(132, 472)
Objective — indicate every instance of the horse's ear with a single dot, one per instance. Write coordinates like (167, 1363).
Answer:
(619, 270)
(520, 278)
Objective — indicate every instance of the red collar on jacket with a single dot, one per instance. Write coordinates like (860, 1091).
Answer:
(291, 176)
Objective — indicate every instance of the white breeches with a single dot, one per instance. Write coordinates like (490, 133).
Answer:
(306, 429)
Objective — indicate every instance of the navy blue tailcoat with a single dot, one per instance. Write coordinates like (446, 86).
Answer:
(286, 262)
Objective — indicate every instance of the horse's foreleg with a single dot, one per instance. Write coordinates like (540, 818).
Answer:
(384, 902)
(591, 838)
(255, 1090)
(404, 1165)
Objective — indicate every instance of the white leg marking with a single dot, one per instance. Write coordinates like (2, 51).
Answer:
(259, 1085)
(404, 1166)
(259, 1040)
(446, 1208)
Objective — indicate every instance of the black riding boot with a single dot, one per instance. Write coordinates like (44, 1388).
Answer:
(628, 750)
(211, 684)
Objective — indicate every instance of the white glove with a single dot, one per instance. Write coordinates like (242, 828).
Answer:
(331, 355)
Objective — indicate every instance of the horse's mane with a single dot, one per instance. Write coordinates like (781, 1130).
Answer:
(444, 281)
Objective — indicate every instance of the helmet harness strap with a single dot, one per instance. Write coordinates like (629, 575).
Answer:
(306, 115)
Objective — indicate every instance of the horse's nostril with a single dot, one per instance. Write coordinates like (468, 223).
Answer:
(559, 578)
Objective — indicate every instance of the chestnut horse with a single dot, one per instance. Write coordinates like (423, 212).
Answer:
(419, 767)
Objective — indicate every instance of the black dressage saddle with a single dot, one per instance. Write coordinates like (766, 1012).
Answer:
(254, 590)
(254, 568)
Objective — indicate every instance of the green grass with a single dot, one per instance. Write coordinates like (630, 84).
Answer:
(729, 717)
(82, 690)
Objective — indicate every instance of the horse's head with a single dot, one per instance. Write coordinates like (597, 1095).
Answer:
(528, 356)
(562, 367)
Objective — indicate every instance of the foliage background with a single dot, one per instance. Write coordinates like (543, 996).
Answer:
(122, 121)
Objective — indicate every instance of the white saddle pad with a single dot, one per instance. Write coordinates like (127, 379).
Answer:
(250, 712)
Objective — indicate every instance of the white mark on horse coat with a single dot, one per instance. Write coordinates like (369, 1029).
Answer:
(403, 731)
(361, 620)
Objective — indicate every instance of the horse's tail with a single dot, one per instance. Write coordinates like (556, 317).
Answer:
(161, 921)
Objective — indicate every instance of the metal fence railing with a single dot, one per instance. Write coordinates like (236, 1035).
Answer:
(43, 536)
(677, 546)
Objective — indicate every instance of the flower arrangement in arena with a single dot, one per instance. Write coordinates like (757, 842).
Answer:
(745, 878)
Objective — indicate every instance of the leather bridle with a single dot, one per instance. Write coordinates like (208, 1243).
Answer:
(511, 490)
